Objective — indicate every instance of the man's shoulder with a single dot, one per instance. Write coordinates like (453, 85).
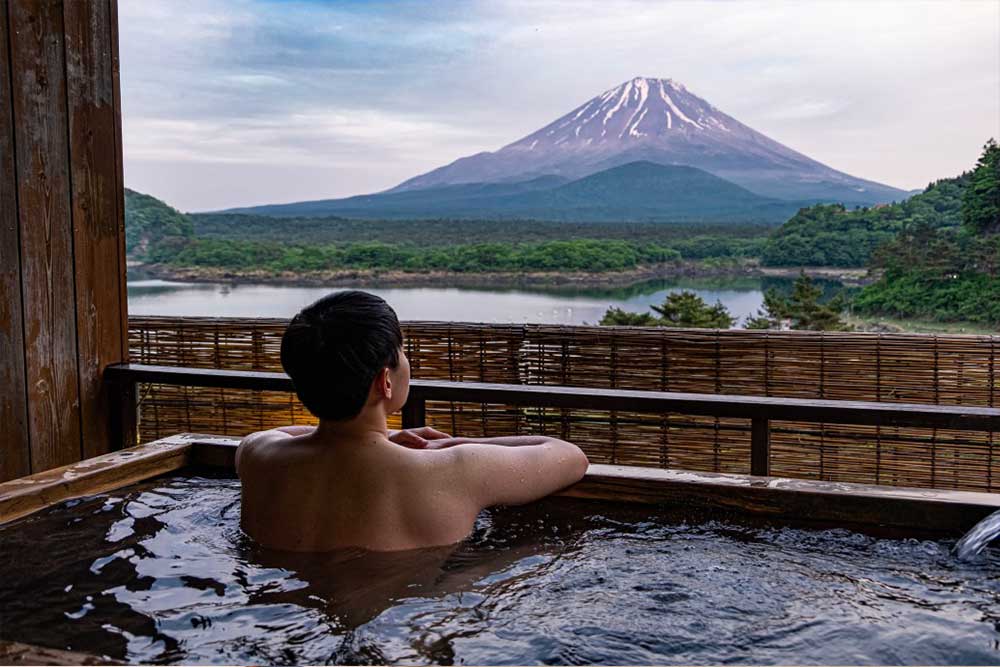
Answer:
(256, 444)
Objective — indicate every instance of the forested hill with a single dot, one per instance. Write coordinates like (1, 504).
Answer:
(940, 271)
(639, 191)
(832, 235)
(151, 223)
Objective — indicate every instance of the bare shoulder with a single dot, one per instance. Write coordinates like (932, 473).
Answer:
(252, 445)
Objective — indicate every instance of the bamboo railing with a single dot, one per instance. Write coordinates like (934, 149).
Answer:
(901, 368)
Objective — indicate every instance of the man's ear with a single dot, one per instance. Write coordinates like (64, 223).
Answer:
(385, 383)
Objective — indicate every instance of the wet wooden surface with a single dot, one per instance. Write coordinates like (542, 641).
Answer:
(16, 653)
(773, 497)
(23, 496)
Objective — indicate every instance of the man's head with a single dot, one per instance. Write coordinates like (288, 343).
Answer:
(344, 351)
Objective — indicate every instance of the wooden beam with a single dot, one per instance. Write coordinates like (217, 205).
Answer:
(96, 202)
(46, 235)
(760, 446)
(856, 505)
(414, 412)
(718, 405)
(18, 653)
(15, 459)
(918, 510)
(20, 497)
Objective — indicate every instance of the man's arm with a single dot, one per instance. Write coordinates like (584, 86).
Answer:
(505, 441)
(516, 470)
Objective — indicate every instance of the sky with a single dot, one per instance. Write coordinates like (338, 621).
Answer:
(240, 102)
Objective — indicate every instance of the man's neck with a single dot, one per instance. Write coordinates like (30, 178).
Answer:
(370, 423)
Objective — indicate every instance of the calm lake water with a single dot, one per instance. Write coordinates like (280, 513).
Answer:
(552, 305)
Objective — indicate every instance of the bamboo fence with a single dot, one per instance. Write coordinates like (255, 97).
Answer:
(908, 368)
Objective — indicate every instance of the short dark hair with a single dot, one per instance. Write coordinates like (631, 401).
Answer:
(334, 348)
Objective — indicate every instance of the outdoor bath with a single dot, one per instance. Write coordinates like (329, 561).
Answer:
(629, 566)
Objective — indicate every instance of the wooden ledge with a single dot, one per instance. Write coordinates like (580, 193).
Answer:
(780, 498)
(16, 653)
(913, 509)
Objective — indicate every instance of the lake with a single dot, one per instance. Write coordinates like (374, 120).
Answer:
(550, 305)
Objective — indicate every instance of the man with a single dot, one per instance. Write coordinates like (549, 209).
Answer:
(352, 483)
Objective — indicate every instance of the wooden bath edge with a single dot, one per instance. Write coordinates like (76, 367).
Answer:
(921, 510)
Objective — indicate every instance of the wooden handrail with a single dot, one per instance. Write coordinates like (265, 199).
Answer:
(760, 410)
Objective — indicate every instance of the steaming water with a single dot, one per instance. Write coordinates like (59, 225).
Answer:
(161, 573)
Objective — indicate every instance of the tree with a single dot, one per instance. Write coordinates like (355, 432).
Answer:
(679, 309)
(623, 318)
(687, 309)
(802, 310)
(981, 201)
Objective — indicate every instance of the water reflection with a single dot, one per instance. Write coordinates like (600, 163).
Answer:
(557, 304)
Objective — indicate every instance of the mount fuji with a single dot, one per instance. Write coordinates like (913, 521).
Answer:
(647, 149)
(660, 121)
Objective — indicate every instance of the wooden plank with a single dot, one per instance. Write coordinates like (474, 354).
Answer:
(840, 503)
(20, 497)
(910, 509)
(15, 459)
(760, 446)
(95, 210)
(18, 653)
(43, 179)
(120, 176)
(957, 417)
(414, 412)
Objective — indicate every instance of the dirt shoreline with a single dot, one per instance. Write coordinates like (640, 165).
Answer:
(377, 278)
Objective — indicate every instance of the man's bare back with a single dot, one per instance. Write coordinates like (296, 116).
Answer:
(352, 483)
(319, 492)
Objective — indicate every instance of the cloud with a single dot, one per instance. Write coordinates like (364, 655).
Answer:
(901, 92)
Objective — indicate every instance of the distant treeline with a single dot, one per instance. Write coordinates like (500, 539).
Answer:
(589, 255)
(240, 242)
(832, 235)
(443, 232)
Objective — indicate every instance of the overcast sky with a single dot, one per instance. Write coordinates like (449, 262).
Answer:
(240, 102)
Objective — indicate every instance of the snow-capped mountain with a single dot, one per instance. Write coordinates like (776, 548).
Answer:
(661, 121)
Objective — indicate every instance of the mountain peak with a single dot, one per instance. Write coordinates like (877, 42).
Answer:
(661, 121)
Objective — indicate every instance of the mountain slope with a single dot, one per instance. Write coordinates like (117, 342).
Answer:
(659, 120)
(638, 191)
(149, 221)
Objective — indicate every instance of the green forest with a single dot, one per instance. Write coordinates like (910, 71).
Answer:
(832, 235)
(947, 272)
(935, 256)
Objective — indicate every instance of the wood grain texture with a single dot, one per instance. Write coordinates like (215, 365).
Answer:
(840, 503)
(46, 234)
(25, 495)
(15, 446)
(17, 653)
(760, 408)
(97, 230)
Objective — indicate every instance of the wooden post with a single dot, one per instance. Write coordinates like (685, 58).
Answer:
(760, 446)
(64, 312)
(414, 412)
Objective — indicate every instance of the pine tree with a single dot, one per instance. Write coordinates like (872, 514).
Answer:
(687, 309)
(679, 309)
(981, 201)
(802, 310)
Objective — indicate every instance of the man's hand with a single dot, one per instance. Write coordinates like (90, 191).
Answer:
(417, 438)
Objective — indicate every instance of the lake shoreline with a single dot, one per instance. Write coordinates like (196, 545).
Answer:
(379, 278)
